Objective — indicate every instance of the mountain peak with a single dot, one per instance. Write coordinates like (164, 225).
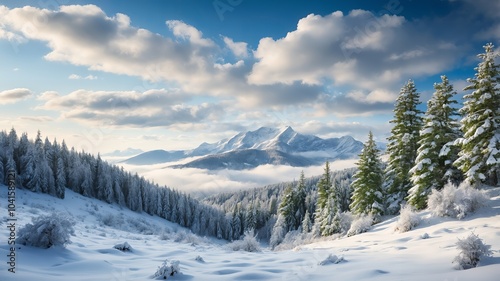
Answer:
(283, 140)
(287, 129)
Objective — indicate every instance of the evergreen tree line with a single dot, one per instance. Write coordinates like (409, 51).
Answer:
(259, 209)
(46, 167)
(428, 150)
(425, 151)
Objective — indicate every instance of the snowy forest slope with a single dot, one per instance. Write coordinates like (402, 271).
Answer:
(379, 254)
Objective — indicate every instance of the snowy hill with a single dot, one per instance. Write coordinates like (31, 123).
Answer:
(380, 254)
(293, 148)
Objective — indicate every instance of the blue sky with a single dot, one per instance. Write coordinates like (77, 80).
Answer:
(108, 75)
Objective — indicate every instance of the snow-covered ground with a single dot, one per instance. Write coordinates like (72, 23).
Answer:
(380, 254)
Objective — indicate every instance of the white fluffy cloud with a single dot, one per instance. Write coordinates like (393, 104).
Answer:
(359, 49)
(14, 95)
(153, 108)
(367, 56)
(239, 49)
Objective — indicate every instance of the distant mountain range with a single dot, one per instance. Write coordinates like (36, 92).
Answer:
(254, 148)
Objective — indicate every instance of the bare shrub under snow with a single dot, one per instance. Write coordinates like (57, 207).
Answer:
(471, 249)
(360, 225)
(249, 244)
(47, 231)
(456, 202)
(167, 269)
(331, 259)
(408, 219)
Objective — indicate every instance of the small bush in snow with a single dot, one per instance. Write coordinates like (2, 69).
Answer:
(124, 247)
(167, 269)
(471, 249)
(248, 244)
(456, 202)
(46, 231)
(165, 234)
(331, 259)
(408, 219)
(111, 220)
(346, 219)
(199, 259)
(360, 225)
(186, 237)
(141, 226)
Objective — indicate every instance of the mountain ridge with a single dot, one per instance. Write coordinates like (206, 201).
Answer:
(277, 146)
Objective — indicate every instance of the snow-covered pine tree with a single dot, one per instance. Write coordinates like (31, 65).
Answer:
(34, 166)
(327, 209)
(287, 208)
(300, 201)
(324, 186)
(436, 153)
(329, 220)
(367, 196)
(306, 223)
(402, 146)
(479, 157)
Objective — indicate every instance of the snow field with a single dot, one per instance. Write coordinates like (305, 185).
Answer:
(379, 254)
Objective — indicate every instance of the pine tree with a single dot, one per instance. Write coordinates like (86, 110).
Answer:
(236, 223)
(34, 166)
(367, 196)
(436, 152)
(402, 146)
(479, 157)
(306, 223)
(287, 208)
(300, 201)
(324, 186)
(327, 209)
(329, 220)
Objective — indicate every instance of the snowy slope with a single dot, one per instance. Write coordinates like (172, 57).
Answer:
(380, 254)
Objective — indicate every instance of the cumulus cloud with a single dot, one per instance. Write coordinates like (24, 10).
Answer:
(152, 108)
(359, 48)
(369, 56)
(239, 49)
(14, 95)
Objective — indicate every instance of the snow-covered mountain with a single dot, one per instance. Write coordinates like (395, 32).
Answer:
(246, 159)
(253, 148)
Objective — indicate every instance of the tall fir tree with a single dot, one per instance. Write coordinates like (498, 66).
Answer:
(326, 217)
(324, 186)
(287, 208)
(402, 146)
(436, 153)
(367, 196)
(300, 200)
(479, 157)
